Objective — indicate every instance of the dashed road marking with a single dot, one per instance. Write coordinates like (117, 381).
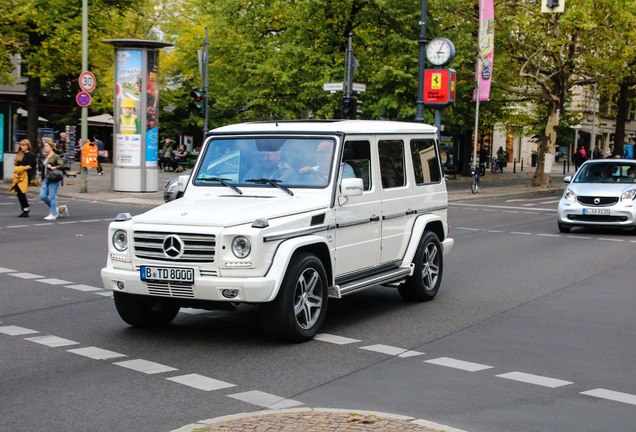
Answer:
(338, 340)
(6, 270)
(611, 395)
(26, 275)
(201, 382)
(96, 353)
(145, 366)
(384, 349)
(265, 400)
(52, 341)
(53, 281)
(535, 379)
(13, 330)
(458, 364)
(82, 287)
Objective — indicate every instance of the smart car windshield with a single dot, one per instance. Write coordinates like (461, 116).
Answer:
(279, 162)
(607, 172)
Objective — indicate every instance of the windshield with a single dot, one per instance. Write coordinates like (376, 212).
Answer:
(266, 162)
(606, 172)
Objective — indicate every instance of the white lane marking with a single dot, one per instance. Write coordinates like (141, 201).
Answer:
(411, 354)
(26, 275)
(53, 281)
(611, 239)
(494, 231)
(90, 220)
(104, 293)
(6, 270)
(201, 382)
(500, 207)
(265, 400)
(549, 235)
(535, 379)
(191, 311)
(468, 229)
(510, 211)
(519, 232)
(145, 366)
(458, 364)
(384, 349)
(96, 353)
(52, 341)
(82, 287)
(16, 330)
(611, 395)
(338, 340)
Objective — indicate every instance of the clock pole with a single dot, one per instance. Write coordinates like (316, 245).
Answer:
(419, 114)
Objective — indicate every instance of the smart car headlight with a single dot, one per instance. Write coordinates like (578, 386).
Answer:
(241, 247)
(120, 240)
(569, 195)
(629, 195)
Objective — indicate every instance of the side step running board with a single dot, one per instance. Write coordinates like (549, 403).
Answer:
(338, 291)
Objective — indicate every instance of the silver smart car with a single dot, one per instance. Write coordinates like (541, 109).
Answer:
(602, 193)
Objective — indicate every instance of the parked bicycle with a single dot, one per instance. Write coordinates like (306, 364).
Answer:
(474, 181)
(494, 165)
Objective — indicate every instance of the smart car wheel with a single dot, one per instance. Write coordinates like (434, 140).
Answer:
(427, 277)
(564, 228)
(301, 304)
(140, 311)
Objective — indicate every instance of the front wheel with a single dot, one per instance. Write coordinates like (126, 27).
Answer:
(299, 309)
(564, 228)
(143, 311)
(474, 184)
(429, 266)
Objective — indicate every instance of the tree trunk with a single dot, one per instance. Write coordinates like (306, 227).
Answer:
(621, 119)
(32, 106)
(545, 153)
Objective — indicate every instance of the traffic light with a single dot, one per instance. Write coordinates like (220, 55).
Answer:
(197, 103)
(349, 108)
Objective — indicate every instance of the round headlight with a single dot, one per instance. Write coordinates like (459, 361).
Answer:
(120, 240)
(569, 195)
(241, 247)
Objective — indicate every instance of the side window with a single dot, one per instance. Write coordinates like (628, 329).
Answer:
(425, 161)
(391, 154)
(357, 157)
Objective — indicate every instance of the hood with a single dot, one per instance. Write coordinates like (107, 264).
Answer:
(601, 189)
(226, 211)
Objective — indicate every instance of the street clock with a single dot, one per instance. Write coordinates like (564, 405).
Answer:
(440, 52)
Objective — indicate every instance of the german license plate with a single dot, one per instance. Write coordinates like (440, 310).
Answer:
(166, 274)
(595, 211)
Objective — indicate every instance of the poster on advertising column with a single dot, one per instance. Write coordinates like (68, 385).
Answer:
(128, 86)
(152, 117)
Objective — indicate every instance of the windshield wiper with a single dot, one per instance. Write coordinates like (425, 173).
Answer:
(272, 182)
(223, 181)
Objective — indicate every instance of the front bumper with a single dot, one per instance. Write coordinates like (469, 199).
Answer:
(620, 215)
(252, 290)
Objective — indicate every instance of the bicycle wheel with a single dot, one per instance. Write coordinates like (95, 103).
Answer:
(474, 184)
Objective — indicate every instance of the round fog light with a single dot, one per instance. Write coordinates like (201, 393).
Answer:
(229, 293)
(120, 285)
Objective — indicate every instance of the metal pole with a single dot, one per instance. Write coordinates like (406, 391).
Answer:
(419, 114)
(205, 80)
(348, 65)
(84, 125)
(478, 93)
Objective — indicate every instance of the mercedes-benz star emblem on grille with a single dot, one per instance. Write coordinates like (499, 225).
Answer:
(173, 246)
(597, 201)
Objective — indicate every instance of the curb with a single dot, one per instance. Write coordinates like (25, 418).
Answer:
(319, 417)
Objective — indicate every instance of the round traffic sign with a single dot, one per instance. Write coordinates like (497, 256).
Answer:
(87, 81)
(83, 99)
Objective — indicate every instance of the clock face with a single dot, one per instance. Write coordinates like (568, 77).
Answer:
(440, 51)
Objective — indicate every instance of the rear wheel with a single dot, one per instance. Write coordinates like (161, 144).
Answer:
(143, 311)
(474, 184)
(429, 266)
(300, 307)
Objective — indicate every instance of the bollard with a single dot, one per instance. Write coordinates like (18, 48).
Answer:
(521, 164)
(514, 165)
(563, 166)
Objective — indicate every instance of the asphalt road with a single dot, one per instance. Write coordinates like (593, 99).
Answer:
(532, 330)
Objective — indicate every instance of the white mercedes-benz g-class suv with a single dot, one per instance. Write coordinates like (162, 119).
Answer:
(287, 214)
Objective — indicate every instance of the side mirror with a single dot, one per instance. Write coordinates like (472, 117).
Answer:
(351, 186)
(183, 182)
(567, 179)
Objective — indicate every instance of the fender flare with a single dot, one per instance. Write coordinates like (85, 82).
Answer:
(416, 234)
(283, 255)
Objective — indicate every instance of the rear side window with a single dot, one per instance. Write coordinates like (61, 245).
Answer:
(392, 163)
(425, 161)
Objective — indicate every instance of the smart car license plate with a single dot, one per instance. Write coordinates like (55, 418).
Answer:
(594, 211)
(167, 274)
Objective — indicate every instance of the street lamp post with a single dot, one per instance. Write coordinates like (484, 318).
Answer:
(419, 115)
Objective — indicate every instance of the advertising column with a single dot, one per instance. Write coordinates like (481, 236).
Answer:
(136, 122)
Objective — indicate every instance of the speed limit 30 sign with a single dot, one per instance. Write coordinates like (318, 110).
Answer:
(87, 81)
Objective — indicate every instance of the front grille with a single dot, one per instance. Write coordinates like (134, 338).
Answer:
(597, 218)
(169, 289)
(197, 247)
(604, 201)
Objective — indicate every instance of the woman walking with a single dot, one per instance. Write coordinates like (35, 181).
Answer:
(23, 171)
(48, 193)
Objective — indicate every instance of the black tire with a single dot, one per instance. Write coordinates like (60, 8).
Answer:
(429, 267)
(299, 309)
(474, 185)
(143, 311)
(564, 228)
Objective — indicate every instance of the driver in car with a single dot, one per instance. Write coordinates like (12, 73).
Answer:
(271, 167)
